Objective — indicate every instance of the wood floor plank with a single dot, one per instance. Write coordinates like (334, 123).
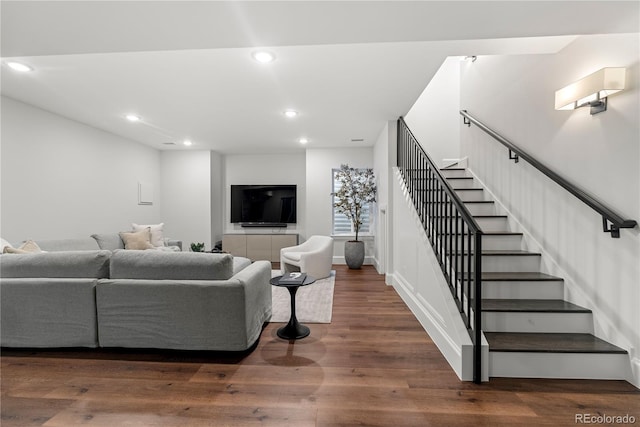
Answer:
(111, 414)
(373, 365)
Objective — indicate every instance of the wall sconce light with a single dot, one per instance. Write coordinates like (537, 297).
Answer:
(592, 90)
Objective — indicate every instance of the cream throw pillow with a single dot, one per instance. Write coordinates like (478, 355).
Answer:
(28, 247)
(138, 240)
(157, 238)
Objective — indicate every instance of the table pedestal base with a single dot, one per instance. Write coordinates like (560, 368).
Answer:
(293, 330)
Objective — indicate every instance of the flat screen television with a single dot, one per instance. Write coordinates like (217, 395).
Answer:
(263, 205)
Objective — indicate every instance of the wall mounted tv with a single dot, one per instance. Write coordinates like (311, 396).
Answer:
(263, 205)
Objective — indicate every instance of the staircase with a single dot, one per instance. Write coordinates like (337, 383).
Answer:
(531, 330)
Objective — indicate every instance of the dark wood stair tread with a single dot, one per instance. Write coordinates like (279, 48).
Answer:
(501, 252)
(453, 188)
(531, 306)
(529, 276)
(494, 233)
(467, 202)
(549, 343)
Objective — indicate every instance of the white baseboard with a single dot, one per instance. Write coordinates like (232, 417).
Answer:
(635, 372)
(368, 260)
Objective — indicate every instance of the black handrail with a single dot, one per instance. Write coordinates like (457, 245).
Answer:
(611, 221)
(453, 233)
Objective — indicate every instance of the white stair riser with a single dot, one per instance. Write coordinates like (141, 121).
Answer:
(493, 224)
(507, 243)
(559, 365)
(523, 290)
(537, 322)
(481, 208)
(450, 173)
(470, 195)
(509, 264)
(491, 242)
(462, 183)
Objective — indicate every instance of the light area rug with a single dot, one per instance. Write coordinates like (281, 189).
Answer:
(314, 303)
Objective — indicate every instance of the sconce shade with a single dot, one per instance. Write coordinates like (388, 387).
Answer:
(592, 88)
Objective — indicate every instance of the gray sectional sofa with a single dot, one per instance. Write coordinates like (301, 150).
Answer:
(84, 296)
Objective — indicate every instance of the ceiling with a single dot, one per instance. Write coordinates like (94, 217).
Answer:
(186, 67)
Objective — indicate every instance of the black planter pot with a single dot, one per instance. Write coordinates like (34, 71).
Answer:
(354, 253)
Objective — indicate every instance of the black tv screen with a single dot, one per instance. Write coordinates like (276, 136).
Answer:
(263, 204)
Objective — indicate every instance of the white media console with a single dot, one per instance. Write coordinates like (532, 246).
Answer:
(258, 246)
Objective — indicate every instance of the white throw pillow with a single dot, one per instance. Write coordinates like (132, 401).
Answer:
(4, 244)
(157, 238)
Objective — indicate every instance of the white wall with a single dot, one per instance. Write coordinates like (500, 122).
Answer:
(515, 96)
(217, 197)
(247, 169)
(320, 162)
(384, 159)
(61, 178)
(186, 191)
(434, 118)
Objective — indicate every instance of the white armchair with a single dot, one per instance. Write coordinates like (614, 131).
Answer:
(313, 257)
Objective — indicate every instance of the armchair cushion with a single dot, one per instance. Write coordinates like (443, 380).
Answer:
(313, 257)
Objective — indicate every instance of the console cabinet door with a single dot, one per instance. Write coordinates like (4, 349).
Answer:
(281, 241)
(259, 247)
(235, 244)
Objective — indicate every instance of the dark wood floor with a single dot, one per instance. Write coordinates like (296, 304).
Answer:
(373, 365)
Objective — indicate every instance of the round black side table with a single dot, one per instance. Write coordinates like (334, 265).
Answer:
(293, 330)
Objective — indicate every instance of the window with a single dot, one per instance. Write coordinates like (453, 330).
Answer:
(342, 224)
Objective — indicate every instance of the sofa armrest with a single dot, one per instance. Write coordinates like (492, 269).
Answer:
(255, 279)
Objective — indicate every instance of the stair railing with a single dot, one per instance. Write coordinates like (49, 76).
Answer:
(453, 233)
(611, 221)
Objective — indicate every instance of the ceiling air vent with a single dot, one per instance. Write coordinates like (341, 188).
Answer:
(357, 139)
(168, 143)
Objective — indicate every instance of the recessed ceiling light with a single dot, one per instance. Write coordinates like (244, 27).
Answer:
(187, 143)
(303, 140)
(18, 66)
(291, 113)
(133, 118)
(263, 57)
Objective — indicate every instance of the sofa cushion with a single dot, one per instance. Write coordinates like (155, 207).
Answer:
(109, 241)
(62, 264)
(137, 240)
(170, 265)
(240, 263)
(80, 244)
